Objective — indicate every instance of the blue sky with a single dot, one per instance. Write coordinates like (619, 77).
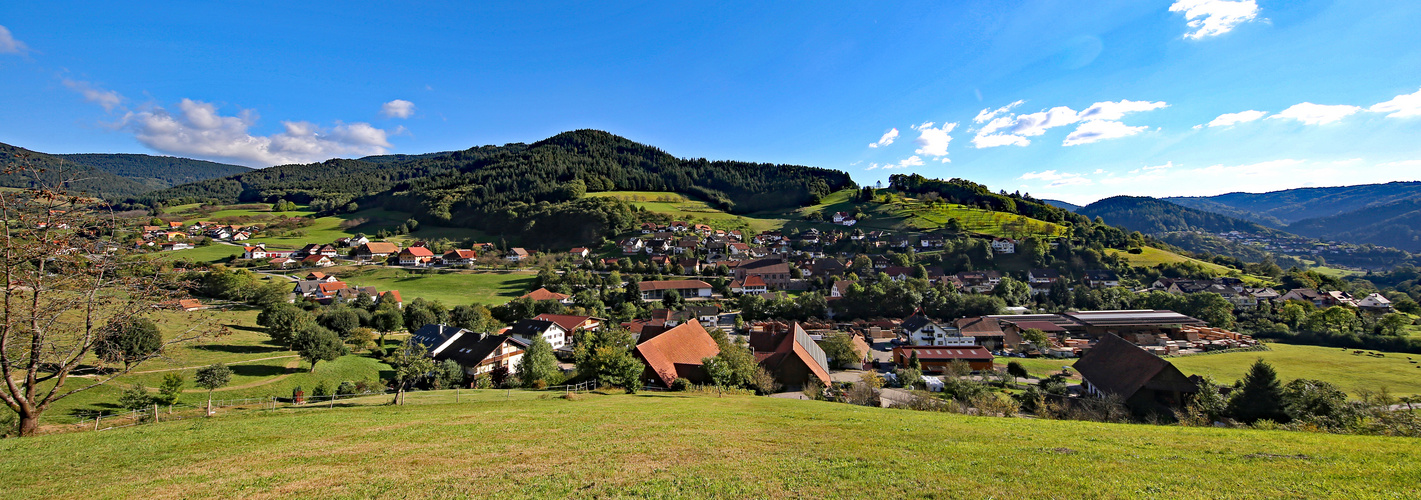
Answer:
(1070, 100)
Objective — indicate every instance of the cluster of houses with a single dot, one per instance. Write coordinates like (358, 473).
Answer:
(1159, 331)
(174, 236)
(681, 238)
(1288, 244)
(326, 289)
(1245, 297)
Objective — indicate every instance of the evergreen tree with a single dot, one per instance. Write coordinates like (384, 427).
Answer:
(1260, 396)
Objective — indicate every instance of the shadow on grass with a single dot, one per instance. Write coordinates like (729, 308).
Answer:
(239, 349)
(261, 370)
(659, 395)
(246, 328)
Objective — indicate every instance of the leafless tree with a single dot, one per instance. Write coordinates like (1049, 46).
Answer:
(68, 283)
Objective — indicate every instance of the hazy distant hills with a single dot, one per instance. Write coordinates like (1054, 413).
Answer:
(1061, 204)
(112, 176)
(1381, 214)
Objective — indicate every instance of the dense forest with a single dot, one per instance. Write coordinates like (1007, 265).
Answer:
(1155, 216)
(534, 191)
(113, 176)
(965, 192)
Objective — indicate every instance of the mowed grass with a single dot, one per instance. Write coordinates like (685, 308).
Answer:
(1349, 372)
(677, 446)
(450, 287)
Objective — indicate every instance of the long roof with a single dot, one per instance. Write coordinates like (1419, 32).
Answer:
(435, 336)
(1137, 317)
(647, 286)
(685, 345)
(940, 353)
(1115, 366)
(470, 350)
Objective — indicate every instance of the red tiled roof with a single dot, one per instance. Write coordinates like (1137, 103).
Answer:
(566, 321)
(544, 294)
(647, 286)
(678, 351)
(375, 247)
(754, 281)
(331, 287)
(393, 294)
(417, 252)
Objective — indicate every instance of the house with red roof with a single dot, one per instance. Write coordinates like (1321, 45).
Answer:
(675, 353)
(416, 256)
(791, 355)
(542, 294)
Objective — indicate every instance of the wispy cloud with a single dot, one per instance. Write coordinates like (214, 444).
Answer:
(1097, 122)
(398, 108)
(1402, 106)
(199, 129)
(1098, 130)
(1229, 119)
(888, 138)
(1214, 17)
(107, 98)
(1316, 114)
(8, 43)
(911, 161)
(989, 113)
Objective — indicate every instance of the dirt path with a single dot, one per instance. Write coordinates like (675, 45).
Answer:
(232, 363)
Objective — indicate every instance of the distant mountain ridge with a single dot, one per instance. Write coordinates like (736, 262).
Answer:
(1154, 216)
(1381, 214)
(1061, 204)
(110, 175)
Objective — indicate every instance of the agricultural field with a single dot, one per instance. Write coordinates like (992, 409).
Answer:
(739, 446)
(682, 207)
(1151, 257)
(450, 287)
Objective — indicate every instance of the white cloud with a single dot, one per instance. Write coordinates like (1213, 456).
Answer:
(1228, 119)
(1099, 130)
(934, 141)
(106, 98)
(1034, 124)
(1047, 175)
(911, 161)
(1214, 17)
(1402, 106)
(992, 141)
(1116, 110)
(1071, 181)
(1167, 165)
(199, 129)
(888, 138)
(1317, 114)
(989, 113)
(8, 43)
(398, 108)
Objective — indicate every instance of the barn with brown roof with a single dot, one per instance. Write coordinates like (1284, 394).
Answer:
(676, 353)
(1147, 383)
(791, 355)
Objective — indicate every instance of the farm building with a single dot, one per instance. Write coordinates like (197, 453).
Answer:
(1147, 383)
(936, 359)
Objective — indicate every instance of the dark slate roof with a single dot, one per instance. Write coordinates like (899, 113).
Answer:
(470, 350)
(1134, 317)
(915, 322)
(531, 327)
(1115, 366)
(433, 336)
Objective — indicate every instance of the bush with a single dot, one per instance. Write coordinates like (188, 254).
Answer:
(135, 398)
(540, 384)
(347, 388)
(680, 385)
(322, 389)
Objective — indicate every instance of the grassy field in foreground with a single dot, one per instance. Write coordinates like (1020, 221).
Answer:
(674, 446)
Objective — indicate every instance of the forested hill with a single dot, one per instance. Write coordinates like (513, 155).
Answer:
(1152, 216)
(529, 191)
(156, 172)
(1280, 208)
(110, 176)
(557, 169)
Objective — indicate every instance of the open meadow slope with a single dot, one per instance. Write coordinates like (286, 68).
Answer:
(676, 446)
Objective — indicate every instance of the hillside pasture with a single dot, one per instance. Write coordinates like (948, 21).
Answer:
(674, 445)
(451, 287)
(682, 207)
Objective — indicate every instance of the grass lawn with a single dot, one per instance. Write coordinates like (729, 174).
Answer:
(1038, 367)
(1350, 372)
(448, 286)
(676, 445)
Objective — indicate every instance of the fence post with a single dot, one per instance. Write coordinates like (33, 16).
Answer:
(456, 394)
(155, 413)
(96, 420)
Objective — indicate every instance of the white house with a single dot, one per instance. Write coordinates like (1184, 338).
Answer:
(530, 329)
(922, 331)
(1003, 245)
(254, 252)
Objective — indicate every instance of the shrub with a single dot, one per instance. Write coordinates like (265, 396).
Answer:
(680, 384)
(322, 389)
(540, 384)
(135, 398)
(346, 388)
